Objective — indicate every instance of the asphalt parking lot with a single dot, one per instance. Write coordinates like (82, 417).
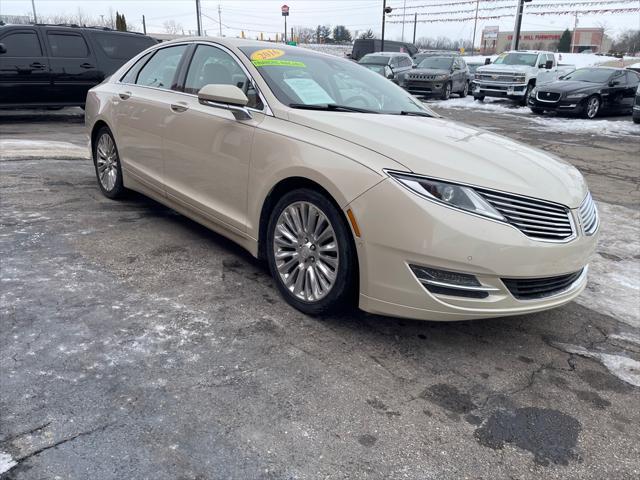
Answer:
(137, 344)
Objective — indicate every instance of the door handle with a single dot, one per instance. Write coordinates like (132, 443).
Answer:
(37, 66)
(86, 65)
(179, 107)
(124, 95)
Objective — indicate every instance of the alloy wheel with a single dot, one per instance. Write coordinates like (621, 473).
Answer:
(107, 162)
(593, 105)
(306, 252)
(447, 91)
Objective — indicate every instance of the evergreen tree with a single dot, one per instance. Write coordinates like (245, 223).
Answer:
(368, 34)
(564, 45)
(341, 34)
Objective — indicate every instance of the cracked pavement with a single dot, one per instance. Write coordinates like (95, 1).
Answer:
(137, 344)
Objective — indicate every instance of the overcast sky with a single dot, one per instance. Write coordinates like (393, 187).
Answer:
(254, 16)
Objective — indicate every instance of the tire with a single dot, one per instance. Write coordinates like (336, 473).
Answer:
(526, 95)
(106, 162)
(636, 119)
(465, 90)
(446, 93)
(479, 98)
(592, 107)
(289, 255)
(537, 111)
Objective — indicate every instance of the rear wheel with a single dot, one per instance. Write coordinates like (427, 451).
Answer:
(310, 253)
(592, 107)
(107, 164)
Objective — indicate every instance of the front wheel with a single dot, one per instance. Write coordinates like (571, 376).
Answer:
(310, 253)
(526, 95)
(479, 98)
(465, 90)
(107, 164)
(537, 111)
(446, 92)
(592, 107)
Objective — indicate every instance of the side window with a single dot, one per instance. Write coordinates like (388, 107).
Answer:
(551, 58)
(120, 45)
(633, 79)
(132, 74)
(618, 77)
(22, 44)
(161, 69)
(68, 45)
(407, 62)
(213, 65)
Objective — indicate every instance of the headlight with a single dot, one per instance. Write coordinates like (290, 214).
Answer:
(441, 77)
(456, 196)
(520, 78)
(576, 96)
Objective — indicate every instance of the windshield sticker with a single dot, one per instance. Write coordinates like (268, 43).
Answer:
(309, 91)
(267, 54)
(278, 63)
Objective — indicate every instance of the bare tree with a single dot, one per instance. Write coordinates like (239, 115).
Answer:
(172, 27)
(304, 34)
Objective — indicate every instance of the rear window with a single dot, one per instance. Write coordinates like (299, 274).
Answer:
(22, 44)
(122, 47)
(67, 45)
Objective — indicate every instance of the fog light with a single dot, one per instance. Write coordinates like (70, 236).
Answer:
(453, 284)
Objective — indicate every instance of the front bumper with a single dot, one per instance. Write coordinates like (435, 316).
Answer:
(499, 89)
(418, 232)
(573, 106)
(424, 89)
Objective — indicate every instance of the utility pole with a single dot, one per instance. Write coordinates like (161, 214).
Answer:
(219, 20)
(385, 10)
(475, 24)
(415, 24)
(33, 5)
(573, 34)
(404, 10)
(198, 17)
(144, 25)
(516, 31)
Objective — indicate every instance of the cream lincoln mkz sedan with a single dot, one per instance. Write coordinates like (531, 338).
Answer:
(349, 187)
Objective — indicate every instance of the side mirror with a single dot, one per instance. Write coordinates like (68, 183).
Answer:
(487, 61)
(549, 64)
(228, 97)
(613, 83)
(3, 49)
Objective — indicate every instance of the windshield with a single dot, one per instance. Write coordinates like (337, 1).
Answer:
(375, 59)
(514, 58)
(376, 68)
(301, 77)
(438, 63)
(591, 75)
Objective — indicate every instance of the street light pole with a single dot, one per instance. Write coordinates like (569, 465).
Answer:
(415, 24)
(404, 10)
(198, 17)
(475, 24)
(384, 12)
(516, 31)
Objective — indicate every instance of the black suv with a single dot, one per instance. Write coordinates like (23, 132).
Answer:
(55, 66)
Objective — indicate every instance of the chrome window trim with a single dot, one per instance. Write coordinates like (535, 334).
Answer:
(266, 110)
(570, 213)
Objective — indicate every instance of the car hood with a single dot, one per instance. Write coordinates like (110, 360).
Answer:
(503, 68)
(570, 86)
(428, 71)
(453, 151)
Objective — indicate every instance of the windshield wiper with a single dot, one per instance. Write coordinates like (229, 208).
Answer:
(334, 107)
(417, 114)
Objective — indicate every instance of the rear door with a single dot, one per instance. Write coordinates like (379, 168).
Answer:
(458, 75)
(74, 68)
(629, 93)
(24, 68)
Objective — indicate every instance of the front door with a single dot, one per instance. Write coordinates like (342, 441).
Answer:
(24, 69)
(206, 150)
(74, 68)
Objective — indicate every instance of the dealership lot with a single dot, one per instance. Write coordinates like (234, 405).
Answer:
(138, 344)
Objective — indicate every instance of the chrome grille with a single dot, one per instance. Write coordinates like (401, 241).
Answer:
(548, 96)
(588, 214)
(535, 218)
(534, 288)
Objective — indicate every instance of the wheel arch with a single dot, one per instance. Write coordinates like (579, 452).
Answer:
(94, 132)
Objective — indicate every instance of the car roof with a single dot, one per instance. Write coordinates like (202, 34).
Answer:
(71, 27)
(389, 54)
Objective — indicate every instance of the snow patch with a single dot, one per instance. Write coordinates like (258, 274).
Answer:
(17, 148)
(625, 368)
(6, 462)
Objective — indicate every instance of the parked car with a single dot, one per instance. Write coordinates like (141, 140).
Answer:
(388, 64)
(473, 66)
(588, 92)
(636, 106)
(374, 199)
(439, 75)
(55, 66)
(514, 74)
(364, 46)
(420, 56)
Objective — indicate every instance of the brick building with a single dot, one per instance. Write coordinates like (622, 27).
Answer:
(594, 39)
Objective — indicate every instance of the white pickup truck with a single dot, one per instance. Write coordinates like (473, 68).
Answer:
(514, 74)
